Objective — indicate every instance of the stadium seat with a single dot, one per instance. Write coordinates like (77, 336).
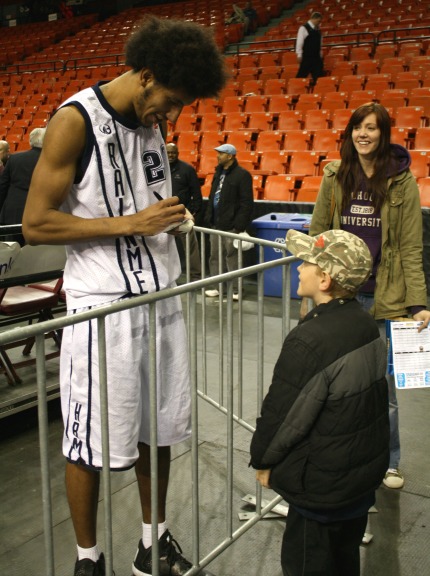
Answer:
(185, 122)
(257, 103)
(309, 189)
(296, 140)
(424, 188)
(297, 86)
(269, 140)
(211, 122)
(317, 119)
(411, 117)
(290, 120)
(420, 161)
(275, 86)
(241, 139)
(400, 136)
(260, 121)
(326, 139)
(235, 121)
(422, 139)
(211, 139)
(308, 102)
(253, 87)
(188, 141)
(274, 161)
(232, 104)
(207, 184)
(279, 187)
(304, 163)
(340, 118)
(279, 103)
(333, 100)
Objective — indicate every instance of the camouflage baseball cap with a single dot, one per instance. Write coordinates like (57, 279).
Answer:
(344, 256)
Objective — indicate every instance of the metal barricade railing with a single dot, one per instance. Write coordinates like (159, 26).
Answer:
(224, 405)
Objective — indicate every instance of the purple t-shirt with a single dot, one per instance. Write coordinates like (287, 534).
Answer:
(361, 218)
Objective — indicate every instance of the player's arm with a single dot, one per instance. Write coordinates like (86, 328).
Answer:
(53, 177)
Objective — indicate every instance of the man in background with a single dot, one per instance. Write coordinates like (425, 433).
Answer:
(16, 177)
(230, 207)
(4, 154)
(186, 186)
(308, 48)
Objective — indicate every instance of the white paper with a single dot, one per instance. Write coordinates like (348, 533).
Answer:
(411, 355)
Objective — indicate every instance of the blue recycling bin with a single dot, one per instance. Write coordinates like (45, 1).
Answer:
(274, 227)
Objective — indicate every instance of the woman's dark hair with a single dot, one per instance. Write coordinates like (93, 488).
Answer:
(350, 172)
(181, 55)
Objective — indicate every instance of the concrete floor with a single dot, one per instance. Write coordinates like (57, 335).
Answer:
(400, 527)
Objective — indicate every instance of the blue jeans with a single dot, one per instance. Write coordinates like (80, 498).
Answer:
(367, 302)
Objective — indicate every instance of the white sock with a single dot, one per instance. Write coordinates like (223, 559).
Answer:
(147, 533)
(91, 553)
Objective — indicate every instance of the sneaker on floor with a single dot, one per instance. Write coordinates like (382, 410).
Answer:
(393, 479)
(212, 293)
(172, 563)
(87, 567)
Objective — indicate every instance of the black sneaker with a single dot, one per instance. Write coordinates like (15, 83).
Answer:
(87, 567)
(172, 563)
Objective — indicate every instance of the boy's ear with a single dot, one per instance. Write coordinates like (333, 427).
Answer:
(325, 282)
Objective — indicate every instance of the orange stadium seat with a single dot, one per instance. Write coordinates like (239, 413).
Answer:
(279, 187)
(296, 140)
(420, 161)
(422, 139)
(290, 120)
(269, 140)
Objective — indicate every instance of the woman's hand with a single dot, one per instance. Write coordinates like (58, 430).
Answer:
(424, 317)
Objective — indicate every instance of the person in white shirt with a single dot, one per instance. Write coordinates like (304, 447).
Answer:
(308, 48)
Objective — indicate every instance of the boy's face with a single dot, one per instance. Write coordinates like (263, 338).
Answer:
(309, 281)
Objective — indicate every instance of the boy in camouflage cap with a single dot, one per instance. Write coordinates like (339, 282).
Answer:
(322, 440)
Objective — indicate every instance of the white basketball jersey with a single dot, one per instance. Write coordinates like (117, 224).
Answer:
(124, 170)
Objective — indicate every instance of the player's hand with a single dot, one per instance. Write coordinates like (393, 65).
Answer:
(185, 227)
(424, 317)
(159, 216)
(263, 476)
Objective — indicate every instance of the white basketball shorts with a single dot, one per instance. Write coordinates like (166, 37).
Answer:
(127, 352)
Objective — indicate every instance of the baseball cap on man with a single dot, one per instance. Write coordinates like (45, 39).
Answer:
(227, 149)
(344, 256)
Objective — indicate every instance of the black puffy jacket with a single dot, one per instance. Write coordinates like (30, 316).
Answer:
(324, 428)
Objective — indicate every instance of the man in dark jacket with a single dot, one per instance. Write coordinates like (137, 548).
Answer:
(186, 185)
(16, 177)
(322, 440)
(230, 207)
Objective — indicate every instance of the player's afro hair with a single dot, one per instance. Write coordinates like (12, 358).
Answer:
(181, 55)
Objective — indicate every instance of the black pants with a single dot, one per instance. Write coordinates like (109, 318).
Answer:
(311, 65)
(310, 548)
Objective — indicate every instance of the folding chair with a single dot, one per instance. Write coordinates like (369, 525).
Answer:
(22, 303)
(308, 102)
(211, 139)
(274, 161)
